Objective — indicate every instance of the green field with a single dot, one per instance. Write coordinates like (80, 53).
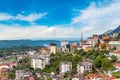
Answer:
(116, 74)
(10, 59)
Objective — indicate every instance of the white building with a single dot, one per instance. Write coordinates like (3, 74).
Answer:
(65, 46)
(115, 44)
(84, 67)
(40, 61)
(65, 66)
(117, 66)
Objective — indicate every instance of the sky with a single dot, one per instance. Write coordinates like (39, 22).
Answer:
(50, 19)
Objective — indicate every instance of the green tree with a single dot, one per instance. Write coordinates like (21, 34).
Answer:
(97, 62)
(106, 64)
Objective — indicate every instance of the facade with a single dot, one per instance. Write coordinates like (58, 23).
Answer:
(45, 51)
(39, 61)
(65, 66)
(84, 67)
(78, 77)
(4, 74)
(117, 66)
(65, 46)
(115, 53)
(53, 48)
(22, 75)
(98, 77)
(114, 44)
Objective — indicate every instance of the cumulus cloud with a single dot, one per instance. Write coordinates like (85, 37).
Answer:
(29, 18)
(94, 19)
(36, 32)
(5, 16)
(102, 18)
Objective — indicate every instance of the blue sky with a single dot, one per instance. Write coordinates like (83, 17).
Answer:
(37, 19)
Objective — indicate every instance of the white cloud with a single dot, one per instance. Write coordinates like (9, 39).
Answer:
(99, 18)
(95, 20)
(31, 17)
(5, 16)
(36, 32)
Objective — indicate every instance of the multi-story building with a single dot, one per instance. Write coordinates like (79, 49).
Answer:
(84, 67)
(53, 48)
(65, 46)
(39, 61)
(114, 44)
(45, 50)
(65, 66)
(115, 53)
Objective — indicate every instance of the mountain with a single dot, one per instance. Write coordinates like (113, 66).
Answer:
(108, 32)
(17, 43)
(116, 30)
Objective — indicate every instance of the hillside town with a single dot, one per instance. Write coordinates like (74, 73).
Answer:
(94, 58)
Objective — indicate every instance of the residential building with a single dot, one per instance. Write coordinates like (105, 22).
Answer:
(99, 77)
(53, 48)
(57, 77)
(39, 61)
(65, 46)
(115, 53)
(45, 50)
(117, 66)
(22, 75)
(114, 44)
(84, 67)
(78, 77)
(65, 66)
(86, 46)
(4, 74)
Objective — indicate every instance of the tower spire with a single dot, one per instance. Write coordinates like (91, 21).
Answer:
(81, 40)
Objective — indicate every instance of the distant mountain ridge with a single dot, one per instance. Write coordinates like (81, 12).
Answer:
(116, 30)
(17, 43)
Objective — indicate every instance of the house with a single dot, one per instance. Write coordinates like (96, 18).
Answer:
(84, 67)
(104, 46)
(93, 40)
(74, 45)
(65, 66)
(4, 74)
(114, 44)
(32, 52)
(57, 77)
(78, 77)
(5, 65)
(99, 77)
(115, 53)
(23, 75)
(45, 50)
(86, 46)
(117, 66)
